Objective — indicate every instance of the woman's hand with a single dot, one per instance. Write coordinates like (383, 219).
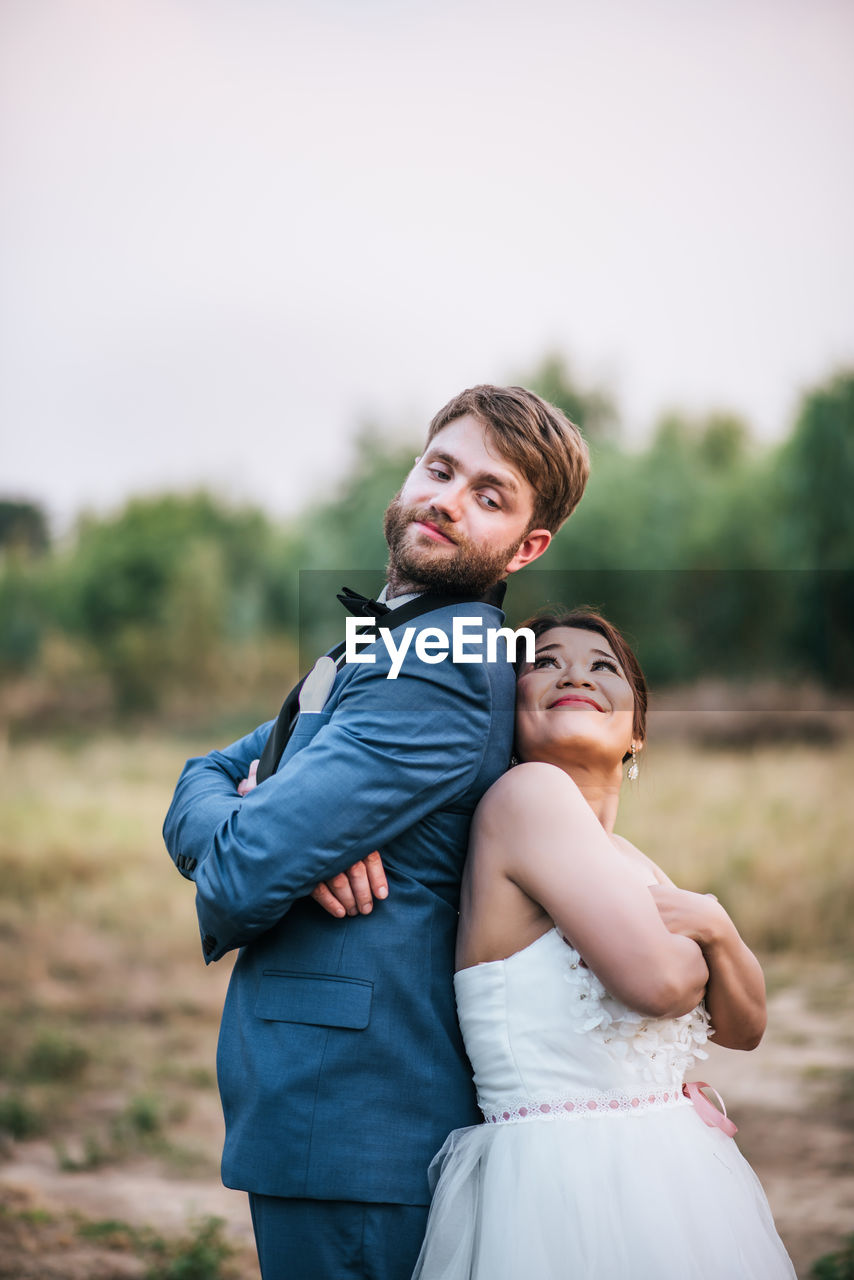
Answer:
(695, 915)
(735, 994)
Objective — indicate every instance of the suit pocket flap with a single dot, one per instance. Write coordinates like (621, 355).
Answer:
(314, 998)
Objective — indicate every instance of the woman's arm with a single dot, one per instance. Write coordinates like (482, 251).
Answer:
(735, 994)
(539, 833)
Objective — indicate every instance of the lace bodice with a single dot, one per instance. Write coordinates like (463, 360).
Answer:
(546, 1039)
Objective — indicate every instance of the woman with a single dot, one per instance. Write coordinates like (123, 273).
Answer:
(587, 984)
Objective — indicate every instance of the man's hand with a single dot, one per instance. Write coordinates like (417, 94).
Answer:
(353, 891)
(248, 784)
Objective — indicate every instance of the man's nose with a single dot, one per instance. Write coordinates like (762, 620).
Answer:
(449, 498)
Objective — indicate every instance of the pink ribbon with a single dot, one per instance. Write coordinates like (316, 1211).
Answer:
(707, 1112)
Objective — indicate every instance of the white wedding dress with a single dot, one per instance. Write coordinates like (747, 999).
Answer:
(591, 1164)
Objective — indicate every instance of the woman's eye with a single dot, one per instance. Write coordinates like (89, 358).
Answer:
(546, 661)
(604, 662)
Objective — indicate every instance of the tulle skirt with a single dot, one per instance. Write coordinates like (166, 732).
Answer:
(654, 1196)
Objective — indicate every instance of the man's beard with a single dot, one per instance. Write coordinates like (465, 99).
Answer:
(467, 568)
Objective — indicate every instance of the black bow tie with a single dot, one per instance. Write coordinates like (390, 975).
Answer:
(360, 605)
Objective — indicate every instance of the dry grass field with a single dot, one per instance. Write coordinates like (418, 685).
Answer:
(109, 1119)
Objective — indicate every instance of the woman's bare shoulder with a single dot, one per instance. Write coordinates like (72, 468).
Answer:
(534, 778)
(527, 794)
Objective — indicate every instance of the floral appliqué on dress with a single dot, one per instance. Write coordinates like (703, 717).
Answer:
(660, 1049)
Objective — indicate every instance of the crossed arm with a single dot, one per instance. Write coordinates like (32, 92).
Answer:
(389, 753)
(735, 991)
(735, 987)
(351, 892)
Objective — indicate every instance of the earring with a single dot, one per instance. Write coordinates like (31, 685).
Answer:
(633, 767)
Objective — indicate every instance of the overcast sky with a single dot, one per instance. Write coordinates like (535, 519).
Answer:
(233, 229)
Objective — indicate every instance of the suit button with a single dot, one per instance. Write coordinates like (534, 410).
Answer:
(208, 943)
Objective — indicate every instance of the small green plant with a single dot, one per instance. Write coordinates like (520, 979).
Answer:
(113, 1233)
(139, 1127)
(144, 1116)
(55, 1057)
(33, 1217)
(201, 1255)
(835, 1266)
(17, 1118)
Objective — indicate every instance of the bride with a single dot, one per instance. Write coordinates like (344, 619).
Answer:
(587, 985)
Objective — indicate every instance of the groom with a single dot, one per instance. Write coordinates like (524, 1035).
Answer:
(340, 1064)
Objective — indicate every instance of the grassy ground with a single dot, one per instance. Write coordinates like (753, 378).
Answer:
(108, 1109)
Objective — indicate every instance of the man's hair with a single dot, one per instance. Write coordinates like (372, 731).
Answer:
(536, 437)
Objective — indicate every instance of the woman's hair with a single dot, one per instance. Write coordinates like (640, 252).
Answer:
(533, 435)
(590, 620)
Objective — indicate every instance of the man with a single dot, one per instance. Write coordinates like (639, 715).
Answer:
(340, 1063)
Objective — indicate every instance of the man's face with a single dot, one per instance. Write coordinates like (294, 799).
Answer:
(461, 520)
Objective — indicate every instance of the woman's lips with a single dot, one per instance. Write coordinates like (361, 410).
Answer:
(575, 699)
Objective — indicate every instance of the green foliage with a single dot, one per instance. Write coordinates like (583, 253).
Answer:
(201, 1255)
(174, 596)
(835, 1266)
(144, 1115)
(54, 1057)
(17, 1117)
(816, 469)
(346, 530)
(21, 617)
(592, 410)
(197, 1257)
(161, 588)
(139, 1126)
(23, 528)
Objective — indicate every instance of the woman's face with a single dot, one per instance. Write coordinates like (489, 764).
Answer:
(574, 704)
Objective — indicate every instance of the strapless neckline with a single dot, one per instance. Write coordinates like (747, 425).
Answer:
(515, 955)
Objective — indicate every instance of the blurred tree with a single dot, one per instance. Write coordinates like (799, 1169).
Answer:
(158, 588)
(717, 556)
(816, 478)
(346, 530)
(593, 409)
(723, 441)
(815, 529)
(23, 527)
(22, 619)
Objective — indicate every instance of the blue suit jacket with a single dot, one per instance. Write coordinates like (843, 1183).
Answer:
(340, 1063)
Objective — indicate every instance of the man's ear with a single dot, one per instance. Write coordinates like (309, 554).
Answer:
(531, 548)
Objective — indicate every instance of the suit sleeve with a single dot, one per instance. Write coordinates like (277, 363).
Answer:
(205, 796)
(392, 751)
